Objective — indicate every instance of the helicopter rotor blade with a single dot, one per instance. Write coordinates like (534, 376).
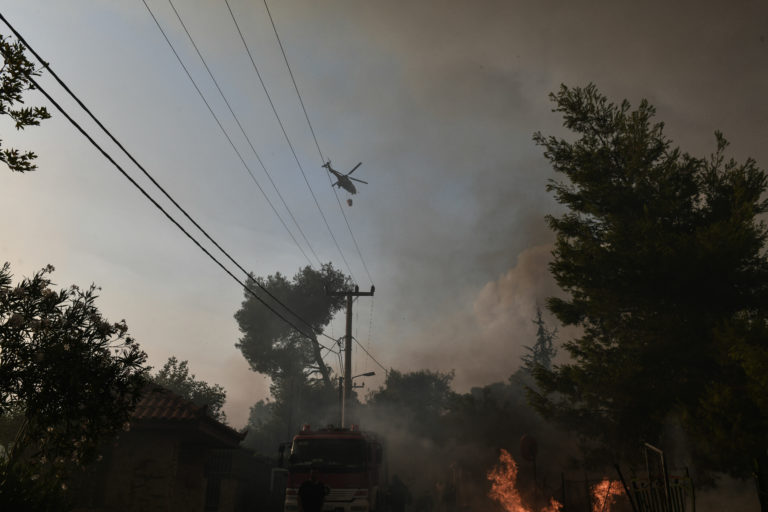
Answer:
(355, 179)
(354, 168)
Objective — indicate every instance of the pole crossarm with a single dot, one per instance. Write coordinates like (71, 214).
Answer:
(351, 293)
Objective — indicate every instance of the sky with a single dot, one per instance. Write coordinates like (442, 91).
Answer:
(439, 99)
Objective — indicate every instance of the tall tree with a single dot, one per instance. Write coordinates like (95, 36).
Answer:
(174, 375)
(15, 76)
(275, 348)
(302, 389)
(69, 376)
(661, 256)
(543, 351)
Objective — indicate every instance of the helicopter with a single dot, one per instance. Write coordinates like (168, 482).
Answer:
(344, 180)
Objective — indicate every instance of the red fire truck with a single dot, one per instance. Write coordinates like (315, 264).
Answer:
(348, 461)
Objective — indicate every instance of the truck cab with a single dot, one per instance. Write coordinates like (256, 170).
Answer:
(349, 462)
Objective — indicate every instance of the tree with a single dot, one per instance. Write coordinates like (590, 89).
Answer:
(70, 377)
(301, 388)
(418, 400)
(543, 351)
(174, 375)
(422, 391)
(661, 256)
(15, 75)
(276, 420)
(274, 347)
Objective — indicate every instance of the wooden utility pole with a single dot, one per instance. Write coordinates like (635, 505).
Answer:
(347, 380)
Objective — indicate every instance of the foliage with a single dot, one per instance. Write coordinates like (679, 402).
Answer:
(661, 255)
(22, 487)
(543, 351)
(420, 399)
(174, 375)
(68, 377)
(15, 75)
(273, 347)
(293, 404)
(422, 391)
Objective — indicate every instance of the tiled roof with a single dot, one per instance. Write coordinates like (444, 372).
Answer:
(162, 404)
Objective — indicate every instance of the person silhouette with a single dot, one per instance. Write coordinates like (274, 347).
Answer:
(399, 495)
(312, 493)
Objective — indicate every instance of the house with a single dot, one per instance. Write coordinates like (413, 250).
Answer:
(174, 457)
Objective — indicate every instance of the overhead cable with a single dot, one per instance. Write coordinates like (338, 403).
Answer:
(162, 189)
(386, 372)
(164, 211)
(288, 140)
(224, 131)
(314, 136)
(242, 130)
(146, 194)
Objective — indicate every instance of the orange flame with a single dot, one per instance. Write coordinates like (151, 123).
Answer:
(503, 478)
(604, 495)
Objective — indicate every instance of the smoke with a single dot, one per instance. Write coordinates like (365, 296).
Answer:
(728, 494)
(484, 337)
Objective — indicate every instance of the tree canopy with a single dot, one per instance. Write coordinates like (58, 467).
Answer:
(420, 392)
(70, 377)
(275, 348)
(661, 256)
(174, 375)
(15, 76)
(418, 401)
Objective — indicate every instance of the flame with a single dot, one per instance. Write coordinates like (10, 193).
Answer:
(503, 478)
(604, 495)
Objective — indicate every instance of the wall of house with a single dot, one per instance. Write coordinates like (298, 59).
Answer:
(167, 470)
(145, 470)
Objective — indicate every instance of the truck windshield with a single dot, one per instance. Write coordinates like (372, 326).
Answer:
(328, 453)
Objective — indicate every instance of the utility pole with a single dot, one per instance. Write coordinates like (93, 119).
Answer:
(347, 387)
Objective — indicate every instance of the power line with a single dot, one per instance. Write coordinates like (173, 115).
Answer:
(242, 130)
(146, 194)
(160, 187)
(341, 209)
(386, 372)
(233, 146)
(296, 87)
(141, 167)
(312, 130)
(224, 131)
(159, 207)
(288, 140)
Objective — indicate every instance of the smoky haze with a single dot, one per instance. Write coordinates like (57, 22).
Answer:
(438, 99)
(465, 243)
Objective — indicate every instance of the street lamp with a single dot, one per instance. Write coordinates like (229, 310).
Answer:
(366, 374)
(341, 391)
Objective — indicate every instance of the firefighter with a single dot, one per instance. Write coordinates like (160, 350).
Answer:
(399, 495)
(312, 493)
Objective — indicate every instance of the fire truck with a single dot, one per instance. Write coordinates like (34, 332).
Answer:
(348, 461)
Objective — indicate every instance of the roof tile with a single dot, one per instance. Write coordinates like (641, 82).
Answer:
(162, 404)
